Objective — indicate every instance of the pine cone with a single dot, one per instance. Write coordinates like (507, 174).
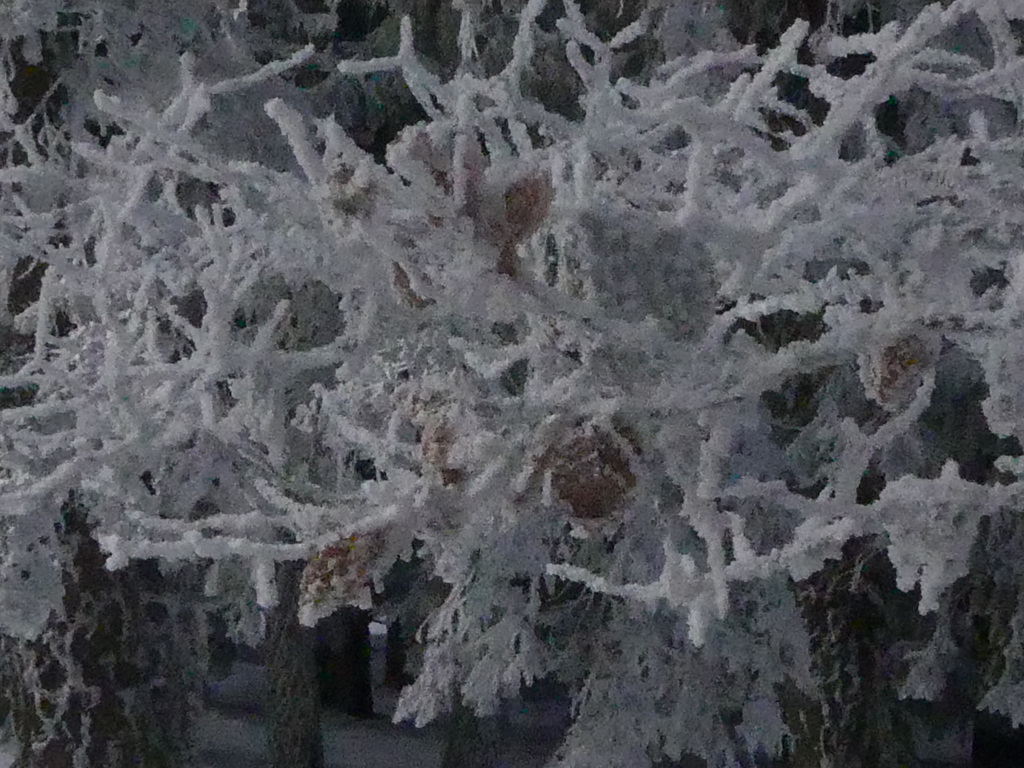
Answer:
(340, 573)
(527, 203)
(590, 472)
(403, 286)
(891, 375)
(436, 443)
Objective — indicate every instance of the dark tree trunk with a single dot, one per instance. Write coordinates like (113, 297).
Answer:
(996, 742)
(396, 673)
(105, 685)
(856, 617)
(222, 652)
(293, 707)
(410, 593)
(343, 662)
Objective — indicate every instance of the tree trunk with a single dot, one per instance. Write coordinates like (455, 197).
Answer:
(103, 686)
(293, 708)
(856, 617)
(411, 592)
(343, 662)
(396, 673)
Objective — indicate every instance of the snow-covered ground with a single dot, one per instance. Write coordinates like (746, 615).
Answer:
(231, 732)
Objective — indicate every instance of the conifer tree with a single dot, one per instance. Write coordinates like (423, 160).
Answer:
(653, 322)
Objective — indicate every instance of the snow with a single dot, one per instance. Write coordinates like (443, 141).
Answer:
(231, 731)
(237, 740)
